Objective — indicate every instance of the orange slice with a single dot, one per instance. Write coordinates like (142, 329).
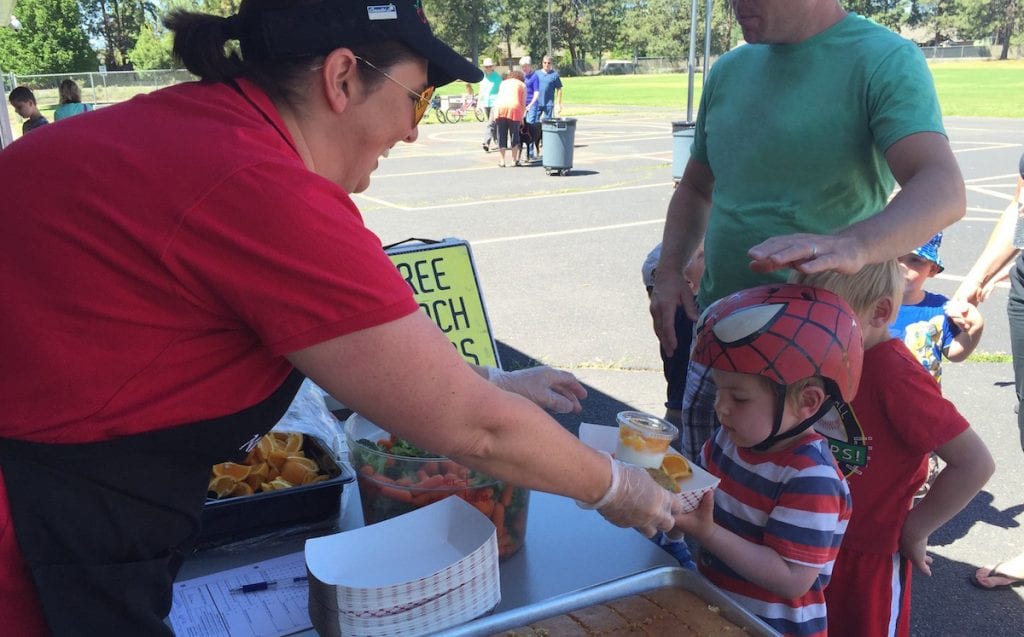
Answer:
(221, 486)
(259, 474)
(297, 470)
(233, 470)
(265, 447)
(293, 442)
(676, 466)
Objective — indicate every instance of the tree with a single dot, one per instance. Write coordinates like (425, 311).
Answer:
(51, 39)
(153, 49)
(117, 23)
(656, 28)
(466, 26)
(890, 13)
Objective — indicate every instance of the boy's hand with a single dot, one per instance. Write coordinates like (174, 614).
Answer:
(916, 550)
(964, 315)
(699, 523)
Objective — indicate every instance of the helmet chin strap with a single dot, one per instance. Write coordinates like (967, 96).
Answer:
(780, 405)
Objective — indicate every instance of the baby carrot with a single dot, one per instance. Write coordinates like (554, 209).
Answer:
(498, 517)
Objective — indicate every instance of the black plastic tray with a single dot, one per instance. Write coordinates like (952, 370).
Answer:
(243, 517)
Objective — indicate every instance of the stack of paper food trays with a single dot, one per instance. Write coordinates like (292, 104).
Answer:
(418, 573)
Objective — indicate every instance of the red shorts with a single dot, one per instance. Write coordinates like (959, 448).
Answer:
(869, 595)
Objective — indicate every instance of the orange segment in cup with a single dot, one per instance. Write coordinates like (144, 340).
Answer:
(643, 439)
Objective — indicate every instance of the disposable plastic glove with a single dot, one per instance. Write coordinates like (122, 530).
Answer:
(549, 388)
(635, 500)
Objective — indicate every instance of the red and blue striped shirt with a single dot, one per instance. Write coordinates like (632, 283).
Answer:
(794, 501)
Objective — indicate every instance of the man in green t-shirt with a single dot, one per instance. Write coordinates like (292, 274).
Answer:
(800, 138)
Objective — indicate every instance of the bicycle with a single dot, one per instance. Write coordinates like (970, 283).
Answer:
(435, 105)
(455, 114)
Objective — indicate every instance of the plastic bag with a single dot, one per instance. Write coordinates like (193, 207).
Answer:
(308, 414)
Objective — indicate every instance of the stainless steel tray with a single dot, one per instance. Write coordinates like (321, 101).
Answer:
(601, 593)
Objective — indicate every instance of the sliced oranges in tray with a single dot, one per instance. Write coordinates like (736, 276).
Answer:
(278, 462)
(286, 480)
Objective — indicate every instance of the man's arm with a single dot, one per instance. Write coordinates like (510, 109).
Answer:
(685, 223)
(932, 196)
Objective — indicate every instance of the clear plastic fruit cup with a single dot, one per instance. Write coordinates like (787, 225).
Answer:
(643, 438)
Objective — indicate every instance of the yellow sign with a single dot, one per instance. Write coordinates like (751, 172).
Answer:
(443, 280)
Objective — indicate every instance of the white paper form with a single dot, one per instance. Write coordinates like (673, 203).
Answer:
(206, 607)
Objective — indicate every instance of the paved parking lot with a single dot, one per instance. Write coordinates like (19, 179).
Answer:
(559, 262)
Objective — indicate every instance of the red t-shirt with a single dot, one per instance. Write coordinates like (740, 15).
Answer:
(160, 273)
(159, 258)
(903, 417)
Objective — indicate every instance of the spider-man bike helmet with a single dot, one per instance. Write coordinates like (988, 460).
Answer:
(784, 332)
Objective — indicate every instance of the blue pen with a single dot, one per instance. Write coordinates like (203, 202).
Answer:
(255, 587)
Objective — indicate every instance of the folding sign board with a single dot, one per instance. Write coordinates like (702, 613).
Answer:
(443, 279)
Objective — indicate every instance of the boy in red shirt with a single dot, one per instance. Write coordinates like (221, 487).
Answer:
(882, 441)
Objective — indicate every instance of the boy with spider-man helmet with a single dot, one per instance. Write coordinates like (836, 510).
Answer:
(781, 356)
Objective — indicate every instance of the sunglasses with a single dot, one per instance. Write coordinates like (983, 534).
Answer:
(422, 98)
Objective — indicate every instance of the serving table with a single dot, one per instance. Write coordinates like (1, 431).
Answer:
(566, 549)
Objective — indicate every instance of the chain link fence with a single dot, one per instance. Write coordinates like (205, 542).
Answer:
(98, 89)
(970, 52)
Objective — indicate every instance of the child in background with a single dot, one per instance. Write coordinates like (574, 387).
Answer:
(882, 441)
(674, 367)
(781, 354)
(24, 103)
(930, 325)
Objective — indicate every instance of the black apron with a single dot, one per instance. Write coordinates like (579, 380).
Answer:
(104, 526)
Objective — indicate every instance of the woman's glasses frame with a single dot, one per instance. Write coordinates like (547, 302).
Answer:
(422, 98)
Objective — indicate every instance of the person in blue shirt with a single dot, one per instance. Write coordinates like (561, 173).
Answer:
(70, 101)
(550, 87)
(532, 119)
(929, 324)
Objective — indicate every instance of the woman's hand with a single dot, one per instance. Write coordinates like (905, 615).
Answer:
(635, 500)
(549, 388)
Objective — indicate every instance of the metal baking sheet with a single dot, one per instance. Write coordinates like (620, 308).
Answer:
(601, 593)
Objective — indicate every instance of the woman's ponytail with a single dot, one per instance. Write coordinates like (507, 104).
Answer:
(199, 40)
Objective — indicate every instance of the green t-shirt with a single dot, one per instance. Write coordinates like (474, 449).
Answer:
(795, 136)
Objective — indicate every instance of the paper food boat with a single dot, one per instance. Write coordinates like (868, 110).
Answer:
(692, 488)
(421, 572)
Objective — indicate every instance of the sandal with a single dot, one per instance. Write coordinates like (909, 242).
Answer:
(501, 164)
(519, 163)
(994, 573)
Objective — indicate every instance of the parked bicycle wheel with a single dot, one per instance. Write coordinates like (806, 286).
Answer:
(454, 115)
(440, 116)
(480, 113)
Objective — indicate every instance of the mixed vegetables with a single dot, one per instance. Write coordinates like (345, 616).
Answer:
(396, 477)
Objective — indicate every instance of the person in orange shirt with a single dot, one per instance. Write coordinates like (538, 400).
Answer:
(511, 106)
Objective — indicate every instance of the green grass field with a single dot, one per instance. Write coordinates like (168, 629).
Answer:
(972, 89)
(969, 89)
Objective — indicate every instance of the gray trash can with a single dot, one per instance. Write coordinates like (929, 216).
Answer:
(559, 135)
(682, 139)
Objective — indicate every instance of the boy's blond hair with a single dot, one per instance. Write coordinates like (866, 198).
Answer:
(864, 289)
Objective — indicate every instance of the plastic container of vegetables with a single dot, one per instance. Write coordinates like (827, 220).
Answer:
(395, 477)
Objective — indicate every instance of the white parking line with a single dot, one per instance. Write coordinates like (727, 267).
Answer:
(559, 233)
